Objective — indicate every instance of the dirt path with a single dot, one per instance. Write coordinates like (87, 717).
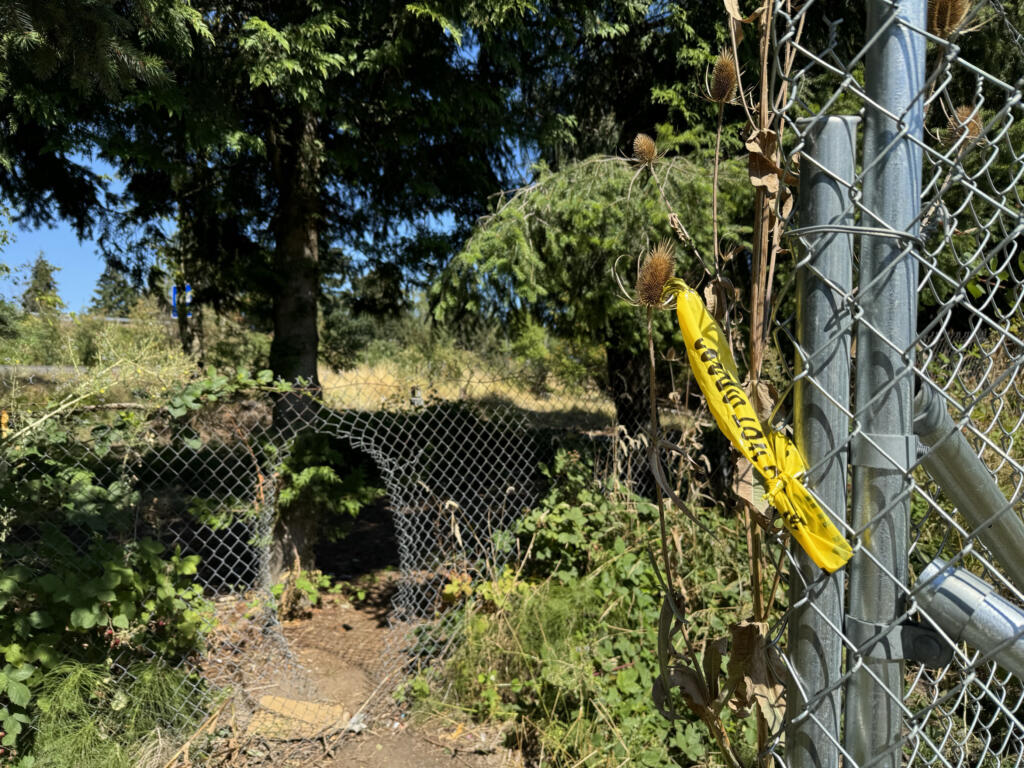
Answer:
(343, 647)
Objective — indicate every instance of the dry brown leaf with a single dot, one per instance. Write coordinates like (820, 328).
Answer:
(763, 173)
(711, 302)
(749, 673)
(746, 485)
(763, 396)
(733, 9)
(693, 690)
(764, 142)
(730, 254)
(792, 177)
(770, 699)
(763, 161)
(785, 203)
(737, 27)
(716, 296)
(743, 650)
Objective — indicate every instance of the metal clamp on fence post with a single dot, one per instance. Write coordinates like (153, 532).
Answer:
(883, 451)
(910, 640)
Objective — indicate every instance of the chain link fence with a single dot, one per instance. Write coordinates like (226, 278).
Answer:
(907, 398)
(151, 535)
(154, 536)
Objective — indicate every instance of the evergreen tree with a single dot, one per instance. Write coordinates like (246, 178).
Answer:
(41, 293)
(305, 127)
(271, 133)
(115, 295)
(554, 244)
(62, 65)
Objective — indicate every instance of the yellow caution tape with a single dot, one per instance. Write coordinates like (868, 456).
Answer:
(772, 454)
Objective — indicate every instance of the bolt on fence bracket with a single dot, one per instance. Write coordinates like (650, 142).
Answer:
(910, 640)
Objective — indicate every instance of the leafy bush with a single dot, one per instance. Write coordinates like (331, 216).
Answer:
(49, 337)
(565, 649)
(323, 478)
(77, 582)
(230, 341)
(575, 522)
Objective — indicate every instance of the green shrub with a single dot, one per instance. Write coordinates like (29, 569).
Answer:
(566, 648)
(77, 582)
(575, 522)
(324, 479)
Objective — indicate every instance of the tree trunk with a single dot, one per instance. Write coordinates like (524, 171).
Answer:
(296, 161)
(295, 158)
(295, 537)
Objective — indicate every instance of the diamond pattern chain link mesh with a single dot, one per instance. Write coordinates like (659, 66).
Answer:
(912, 408)
(459, 460)
(905, 335)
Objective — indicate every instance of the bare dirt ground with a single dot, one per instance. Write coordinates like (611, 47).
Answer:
(341, 647)
(335, 706)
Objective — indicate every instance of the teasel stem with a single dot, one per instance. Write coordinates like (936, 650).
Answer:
(712, 719)
(754, 558)
(759, 336)
(716, 252)
(652, 446)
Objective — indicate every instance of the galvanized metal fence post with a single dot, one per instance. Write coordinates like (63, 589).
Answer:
(883, 444)
(822, 422)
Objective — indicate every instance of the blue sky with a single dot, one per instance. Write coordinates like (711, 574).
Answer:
(80, 263)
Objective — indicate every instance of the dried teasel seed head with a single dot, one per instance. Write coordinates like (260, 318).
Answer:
(962, 123)
(946, 16)
(655, 272)
(644, 148)
(723, 78)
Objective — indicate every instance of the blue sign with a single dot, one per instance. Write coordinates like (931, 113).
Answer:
(175, 291)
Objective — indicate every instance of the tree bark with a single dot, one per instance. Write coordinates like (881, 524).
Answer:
(627, 384)
(295, 155)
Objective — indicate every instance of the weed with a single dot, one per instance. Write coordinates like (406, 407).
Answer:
(300, 591)
(88, 718)
(562, 647)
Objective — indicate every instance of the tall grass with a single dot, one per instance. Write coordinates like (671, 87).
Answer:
(90, 719)
(561, 653)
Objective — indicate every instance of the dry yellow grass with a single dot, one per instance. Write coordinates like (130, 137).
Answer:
(385, 385)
